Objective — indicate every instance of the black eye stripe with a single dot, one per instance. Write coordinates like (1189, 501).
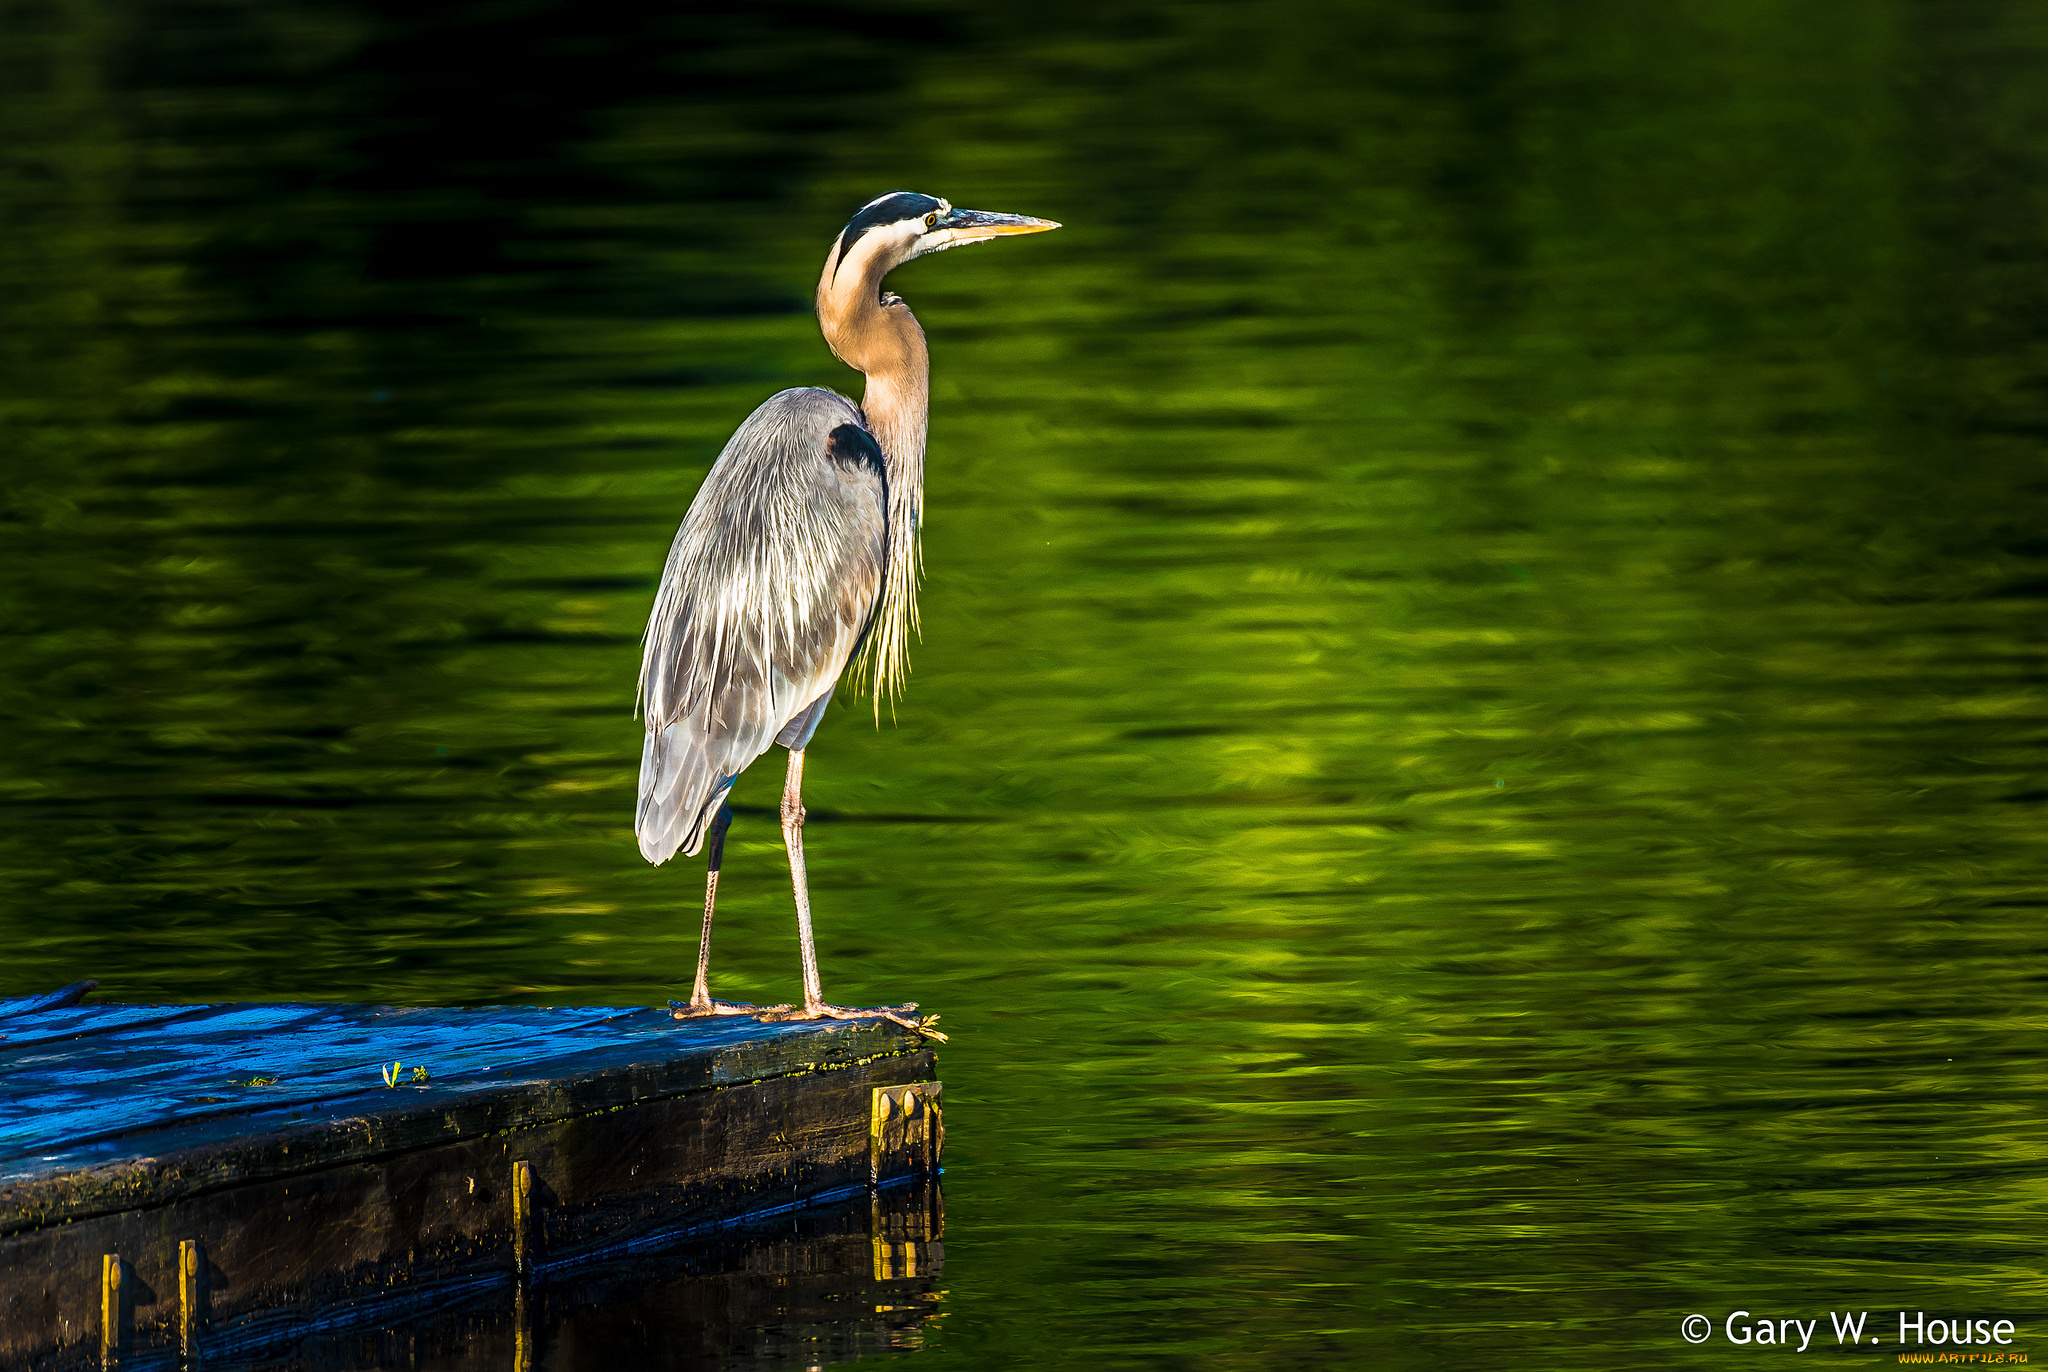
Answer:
(892, 208)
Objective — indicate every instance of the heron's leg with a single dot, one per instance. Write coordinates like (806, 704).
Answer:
(714, 847)
(700, 995)
(793, 839)
(814, 1006)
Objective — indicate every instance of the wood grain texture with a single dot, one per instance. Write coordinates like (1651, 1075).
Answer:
(105, 1108)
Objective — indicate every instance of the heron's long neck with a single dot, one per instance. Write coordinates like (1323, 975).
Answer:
(883, 341)
(896, 403)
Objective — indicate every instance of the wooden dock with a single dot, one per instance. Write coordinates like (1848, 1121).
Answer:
(185, 1183)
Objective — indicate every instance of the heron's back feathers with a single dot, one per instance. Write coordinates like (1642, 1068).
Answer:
(771, 583)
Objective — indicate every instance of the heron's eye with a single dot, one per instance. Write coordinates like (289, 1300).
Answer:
(931, 221)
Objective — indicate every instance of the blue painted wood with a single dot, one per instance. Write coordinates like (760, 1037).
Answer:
(88, 1086)
(10, 1006)
(268, 1135)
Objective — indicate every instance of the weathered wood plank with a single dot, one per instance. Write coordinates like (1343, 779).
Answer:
(147, 1113)
(109, 1081)
(10, 1006)
(285, 1254)
(252, 1159)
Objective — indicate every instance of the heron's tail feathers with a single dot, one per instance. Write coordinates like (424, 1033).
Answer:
(680, 792)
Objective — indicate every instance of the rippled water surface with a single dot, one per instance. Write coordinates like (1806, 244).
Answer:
(1474, 782)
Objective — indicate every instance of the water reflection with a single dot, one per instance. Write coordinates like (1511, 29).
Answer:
(824, 1285)
(1474, 781)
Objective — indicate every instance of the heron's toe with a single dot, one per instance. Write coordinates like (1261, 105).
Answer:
(714, 1008)
(904, 1015)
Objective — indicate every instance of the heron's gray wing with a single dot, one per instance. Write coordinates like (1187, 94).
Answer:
(770, 585)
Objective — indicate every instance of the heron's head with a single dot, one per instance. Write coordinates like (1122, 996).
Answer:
(891, 229)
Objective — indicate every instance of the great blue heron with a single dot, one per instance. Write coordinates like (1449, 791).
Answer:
(798, 554)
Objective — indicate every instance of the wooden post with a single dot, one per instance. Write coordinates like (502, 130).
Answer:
(523, 1238)
(906, 1130)
(113, 1310)
(191, 1299)
(623, 1089)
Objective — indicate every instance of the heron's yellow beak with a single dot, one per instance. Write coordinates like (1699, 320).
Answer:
(971, 226)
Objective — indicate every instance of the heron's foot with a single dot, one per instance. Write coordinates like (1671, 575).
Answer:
(905, 1015)
(707, 1009)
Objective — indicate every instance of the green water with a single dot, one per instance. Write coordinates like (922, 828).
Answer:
(1474, 780)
